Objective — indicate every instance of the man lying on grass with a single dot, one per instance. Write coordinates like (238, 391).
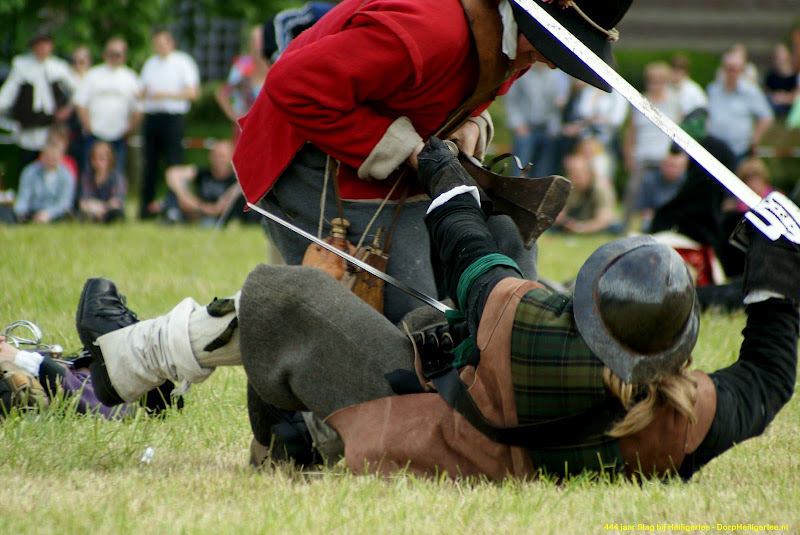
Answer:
(542, 381)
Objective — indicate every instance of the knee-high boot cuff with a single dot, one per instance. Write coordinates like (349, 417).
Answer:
(142, 356)
(127, 369)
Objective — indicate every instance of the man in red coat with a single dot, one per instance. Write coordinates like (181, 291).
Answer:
(365, 86)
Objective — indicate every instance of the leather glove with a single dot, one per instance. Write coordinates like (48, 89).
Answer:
(772, 266)
(438, 169)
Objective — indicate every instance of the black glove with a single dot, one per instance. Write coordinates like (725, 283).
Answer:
(438, 169)
(435, 345)
(773, 266)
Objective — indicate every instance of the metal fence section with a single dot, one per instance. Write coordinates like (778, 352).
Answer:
(213, 43)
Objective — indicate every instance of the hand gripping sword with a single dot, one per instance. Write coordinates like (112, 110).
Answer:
(428, 300)
(776, 215)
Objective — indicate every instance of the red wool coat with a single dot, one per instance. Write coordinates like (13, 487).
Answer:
(340, 84)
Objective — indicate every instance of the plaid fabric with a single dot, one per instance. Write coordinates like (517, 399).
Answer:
(555, 374)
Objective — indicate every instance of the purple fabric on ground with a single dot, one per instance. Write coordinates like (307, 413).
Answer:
(78, 383)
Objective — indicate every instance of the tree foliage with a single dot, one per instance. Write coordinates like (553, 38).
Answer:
(92, 22)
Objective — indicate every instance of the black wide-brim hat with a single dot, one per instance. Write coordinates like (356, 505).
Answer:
(606, 14)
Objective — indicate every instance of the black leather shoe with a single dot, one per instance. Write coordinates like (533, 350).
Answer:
(101, 309)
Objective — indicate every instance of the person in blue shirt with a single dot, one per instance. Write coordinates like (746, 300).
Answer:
(46, 188)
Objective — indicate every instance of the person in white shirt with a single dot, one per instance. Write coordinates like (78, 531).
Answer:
(603, 115)
(107, 103)
(690, 94)
(645, 145)
(36, 94)
(738, 110)
(170, 82)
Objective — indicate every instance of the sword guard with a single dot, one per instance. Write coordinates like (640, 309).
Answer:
(775, 217)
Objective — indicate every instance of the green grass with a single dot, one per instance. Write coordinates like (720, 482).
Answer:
(63, 473)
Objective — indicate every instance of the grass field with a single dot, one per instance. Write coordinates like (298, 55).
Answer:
(67, 474)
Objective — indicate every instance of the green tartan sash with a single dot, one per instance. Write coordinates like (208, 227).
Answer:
(555, 374)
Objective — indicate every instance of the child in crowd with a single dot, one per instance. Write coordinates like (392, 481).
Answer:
(753, 172)
(103, 188)
(46, 188)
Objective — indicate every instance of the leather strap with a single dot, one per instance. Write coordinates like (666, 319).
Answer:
(540, 435)
(336, 188)
(388, 243)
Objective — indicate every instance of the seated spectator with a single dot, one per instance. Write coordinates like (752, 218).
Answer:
(589, 208)
(46, 189)
(103, 187)
(202, 195)
(753, 172)
(660, 186)
(59, 135)
(601, 161)
(780, 82)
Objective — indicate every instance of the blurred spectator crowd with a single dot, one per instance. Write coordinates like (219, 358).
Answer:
(74, 123)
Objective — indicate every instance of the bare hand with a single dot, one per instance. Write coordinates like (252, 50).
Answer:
(412, 158)
(466, 137)
(212, 208)
(189, 204)
(62, 114)
(7, 351)
(41, 217)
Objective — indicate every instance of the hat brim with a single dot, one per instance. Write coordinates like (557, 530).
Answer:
(552, 49)
(629, 365)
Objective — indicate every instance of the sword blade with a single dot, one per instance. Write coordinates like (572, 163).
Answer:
(704, 158)
(438, 305)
